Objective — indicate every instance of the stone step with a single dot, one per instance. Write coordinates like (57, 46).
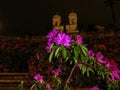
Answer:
(13, 76)
(10, 81)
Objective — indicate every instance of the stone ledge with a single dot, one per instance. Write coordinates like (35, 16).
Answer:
(12, 81)
(19, 74)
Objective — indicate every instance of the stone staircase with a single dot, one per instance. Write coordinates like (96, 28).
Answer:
(10, 81)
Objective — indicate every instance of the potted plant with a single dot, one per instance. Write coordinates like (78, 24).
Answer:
(69, 58)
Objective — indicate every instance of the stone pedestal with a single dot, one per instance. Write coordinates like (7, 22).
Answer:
(60, 28)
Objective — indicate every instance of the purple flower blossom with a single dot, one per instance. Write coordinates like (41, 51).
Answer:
(78, 65)
(51, 37)
(95, 88)
(91, 53)
(104, 61)
(115, 75)
(99, 56)
(112, 65)
(48, 45)
(48, 86)
(39, 78)
(63, 39)
(56, 72)
(114, 70)
(52, 34)
(59, 69)
(101, 59)
(79, 40)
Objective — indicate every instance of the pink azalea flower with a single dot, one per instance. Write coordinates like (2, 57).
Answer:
(48, 45)
(52, 34)
(51, 37)
(101, 59)
(91, 53)
(39, 78)
(59, 69)
(99, 56)
(112, 65)
(63, 39)
(115, 75)
(48, 86)
(79, 40)
(78, 65)
(56, 72)
(95, 88)
(114, 70)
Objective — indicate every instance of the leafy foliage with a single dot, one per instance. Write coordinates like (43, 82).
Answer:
(63, 51)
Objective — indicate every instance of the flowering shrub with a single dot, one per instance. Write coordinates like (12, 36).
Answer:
(66, 50)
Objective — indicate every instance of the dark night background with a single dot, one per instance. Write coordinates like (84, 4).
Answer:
(33, 17)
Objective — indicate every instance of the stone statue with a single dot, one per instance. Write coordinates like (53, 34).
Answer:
(72, 18)
(56, 20)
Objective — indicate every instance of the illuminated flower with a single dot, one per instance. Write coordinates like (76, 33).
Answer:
(48, 45)
(79, 40)
(112, 65)
(100, 58)
(91, 53)
(56, 72)
(95, 88)
(115, 74)
(51, 37)
(78, 65)
(48, 86)
(63, 39)
(62, 46)
(39, 78)
(52, 34)
(114, 70)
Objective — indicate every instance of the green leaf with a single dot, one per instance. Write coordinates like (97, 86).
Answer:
(64, 52)
(114, 85)
(84, 69)
(91, 63)
(50, 57)
(66, 87)
(84, 50)
(58, 80)
(51, 46)
(71, 62)
(76, 51)
(75, 60)
(103, 75)
(21, 85)
(57, 51)
(81, 65)
(33, 86)
(41, 86)
(88, 73)
(109, 87)
(83, 58)
(66, 59)
(90, 69)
